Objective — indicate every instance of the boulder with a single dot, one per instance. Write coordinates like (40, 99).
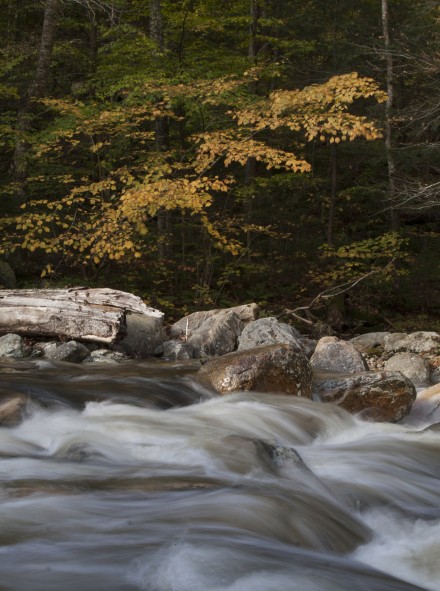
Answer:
(188, 325)
(435, 374)
(175, 350)
(217, 335)
(332, 354)
(365, 343)
(270, 368)
(73, 352)
(12, 345)
(415, 342)
(45, 349)
(381, 396)
(414, 367)
(268, 331)
(11, 409)
(143, 335)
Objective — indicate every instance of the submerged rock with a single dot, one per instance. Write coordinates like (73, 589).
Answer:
(73, 352)
(382, 396)
(11, 409)
(271, 368)
(175, 350)
(429, 393)
(104, 356)
(332, 354)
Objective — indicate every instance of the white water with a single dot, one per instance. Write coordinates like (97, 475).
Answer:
(107, 486)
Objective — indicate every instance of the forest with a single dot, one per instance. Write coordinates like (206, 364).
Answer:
(204, 153)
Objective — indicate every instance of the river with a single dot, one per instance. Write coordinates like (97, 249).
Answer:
(134, 477)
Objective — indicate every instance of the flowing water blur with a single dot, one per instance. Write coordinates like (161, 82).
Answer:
(134, 477)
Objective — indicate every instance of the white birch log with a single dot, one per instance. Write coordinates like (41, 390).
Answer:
(76, 313)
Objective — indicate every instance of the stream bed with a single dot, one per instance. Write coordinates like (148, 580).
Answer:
(135, 477)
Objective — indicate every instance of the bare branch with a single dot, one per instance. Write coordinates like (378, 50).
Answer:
(332, 292)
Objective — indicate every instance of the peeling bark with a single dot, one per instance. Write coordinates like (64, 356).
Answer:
(85, 314)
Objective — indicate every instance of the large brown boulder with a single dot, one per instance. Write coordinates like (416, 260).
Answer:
(270, 368)
(382, 396)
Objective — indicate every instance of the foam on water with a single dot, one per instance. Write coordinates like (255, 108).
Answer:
(247, 492)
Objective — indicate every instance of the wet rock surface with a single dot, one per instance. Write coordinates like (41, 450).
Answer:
(270, 368)
(380, 396)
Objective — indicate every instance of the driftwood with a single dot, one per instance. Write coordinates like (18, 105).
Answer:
(76, 313)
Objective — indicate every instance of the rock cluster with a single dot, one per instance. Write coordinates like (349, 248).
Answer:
(374, 374)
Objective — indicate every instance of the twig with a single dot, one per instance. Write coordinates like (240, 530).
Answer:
(331, 293)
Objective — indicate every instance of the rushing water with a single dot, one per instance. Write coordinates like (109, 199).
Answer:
(134, 477)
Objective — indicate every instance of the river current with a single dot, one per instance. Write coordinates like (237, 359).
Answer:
(135, 477)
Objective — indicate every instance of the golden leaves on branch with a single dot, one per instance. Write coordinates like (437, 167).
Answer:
(319, 111)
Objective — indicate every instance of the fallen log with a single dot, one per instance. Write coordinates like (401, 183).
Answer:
(76, 313)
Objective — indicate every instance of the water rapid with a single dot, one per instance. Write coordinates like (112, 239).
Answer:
(134, 477)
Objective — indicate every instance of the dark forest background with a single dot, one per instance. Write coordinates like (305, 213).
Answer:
(127, 159)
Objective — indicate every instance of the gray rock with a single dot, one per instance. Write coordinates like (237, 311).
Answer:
(415, 342)
(435, 375)
(144, 334)
(44, 349)
(332, 354)
(268, 331)
(11, 409)
(414, 367)
(104, 356)
(12, 345)
(188, 325)
(73, 352)
(175, 350)
(381, 396)
(271, 368)
(217, 335)
(371, 340)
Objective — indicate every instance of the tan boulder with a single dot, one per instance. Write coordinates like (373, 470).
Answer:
(429, 393)
(381, 396)
(11, 409)
(270, 368)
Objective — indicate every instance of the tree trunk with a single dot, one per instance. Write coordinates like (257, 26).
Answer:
(161, 124)
(250, 169)
(332, 206)
(42, 75)
(395, 216)
(37, 89)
